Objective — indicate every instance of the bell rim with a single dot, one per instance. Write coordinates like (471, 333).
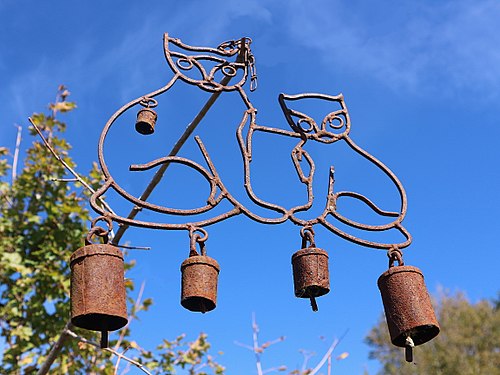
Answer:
(95, 249)
(202, 260)
(309, 251)
(432, 330)
(190, 303)
(80, 321)
(398, 269)
(303, 293)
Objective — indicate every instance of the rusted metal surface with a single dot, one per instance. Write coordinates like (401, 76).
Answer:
(199, 278)
(231, 60)
(408, 308)
(98, 298)
(311, 278)
(146, 117)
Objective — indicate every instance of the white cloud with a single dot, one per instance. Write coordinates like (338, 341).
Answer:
(451, 46)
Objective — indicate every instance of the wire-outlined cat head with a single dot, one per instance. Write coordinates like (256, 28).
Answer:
(333, 126)
(211, 69)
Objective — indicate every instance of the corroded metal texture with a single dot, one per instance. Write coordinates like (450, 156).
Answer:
(310, 272)
(146, 120)
(234, 60)
(98, 298)
(407, 305)
(199, 283)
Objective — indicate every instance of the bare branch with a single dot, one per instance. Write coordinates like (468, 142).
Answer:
(243, 345)
(71, 170)
(307, 356)
(256, 349)
(327, 355)
(131, 316)
(118, 361)
(274, 369)
(16, 152)
(54, 351)
(112, 351)
(131, 247)
(64, 179)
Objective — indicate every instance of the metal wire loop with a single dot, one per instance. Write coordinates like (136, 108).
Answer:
(395, 254)
(97, 231)
(148, 102)
(307, 234)
(196, 238)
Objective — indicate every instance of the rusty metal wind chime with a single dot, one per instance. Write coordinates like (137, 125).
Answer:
(97, 283)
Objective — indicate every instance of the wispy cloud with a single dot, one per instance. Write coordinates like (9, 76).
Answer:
(450, 46)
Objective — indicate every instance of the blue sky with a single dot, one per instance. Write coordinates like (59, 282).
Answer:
(421, 83)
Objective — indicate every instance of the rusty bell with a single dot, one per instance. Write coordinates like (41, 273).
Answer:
(146, 120)
(310, 273)
(199, 283)
(98, 297)
(408, 309)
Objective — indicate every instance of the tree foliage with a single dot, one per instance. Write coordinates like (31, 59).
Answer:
(468, 344)
(43, 219)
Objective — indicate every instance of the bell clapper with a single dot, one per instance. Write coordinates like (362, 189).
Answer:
(409, 345)
(104, 339)
(314, 305)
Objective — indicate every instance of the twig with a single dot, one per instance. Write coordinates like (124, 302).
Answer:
(112, 351)
(131, 316)
(64, 179)
(118, 361)
(54, 351)
(244, 346)
(327, 355)
(131, 247)
(256, 349)
(16, 152)
(329, 368)
(71, 170)
(307, 356)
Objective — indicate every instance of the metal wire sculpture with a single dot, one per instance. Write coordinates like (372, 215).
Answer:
(333, 128)
(409, 312)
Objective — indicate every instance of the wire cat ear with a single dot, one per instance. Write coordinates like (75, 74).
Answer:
(334, 125)
(211, 69)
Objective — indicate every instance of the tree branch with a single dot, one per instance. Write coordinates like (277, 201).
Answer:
(16, 152)
(131, 316)
(327, 355)
(112, 351)
(71, 170)
(54, 351)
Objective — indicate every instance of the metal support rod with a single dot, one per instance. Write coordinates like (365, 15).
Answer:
(178, 145)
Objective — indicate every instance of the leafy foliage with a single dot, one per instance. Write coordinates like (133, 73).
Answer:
(42, 221)
(468, 344)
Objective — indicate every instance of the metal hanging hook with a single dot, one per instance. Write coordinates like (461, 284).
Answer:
(196, 238)
(395, 254)
(148, 102)
(98, 230)
(307, 234)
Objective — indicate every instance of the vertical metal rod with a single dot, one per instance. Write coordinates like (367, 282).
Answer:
(104, 340)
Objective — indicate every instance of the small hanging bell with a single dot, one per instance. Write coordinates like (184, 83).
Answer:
(98, 297)
(199, 280)
(310, 270)
(408, 308)
(146, 117)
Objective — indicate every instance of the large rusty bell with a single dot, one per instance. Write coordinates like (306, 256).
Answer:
(98, 297)
(408, 308)
(310, 269)
(199, 278)
(146, 117)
